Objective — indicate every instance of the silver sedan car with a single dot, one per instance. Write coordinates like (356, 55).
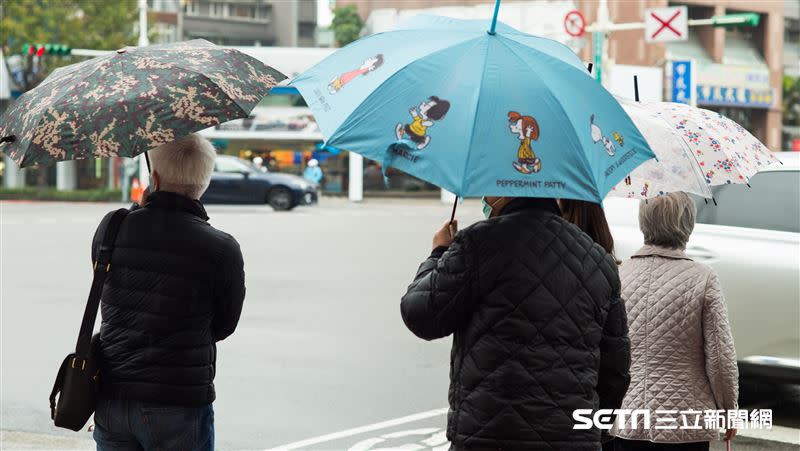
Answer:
(752, 239)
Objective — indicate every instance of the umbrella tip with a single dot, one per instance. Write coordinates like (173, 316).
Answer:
(122, 50)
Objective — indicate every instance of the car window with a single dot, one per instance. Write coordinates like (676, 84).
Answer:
(771, 202)
(231, 165)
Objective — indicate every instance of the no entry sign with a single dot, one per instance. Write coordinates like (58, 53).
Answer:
(574, 23)
(666, 24)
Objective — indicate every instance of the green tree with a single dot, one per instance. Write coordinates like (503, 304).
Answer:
(791, 100)
(346, 25)
(93, 24)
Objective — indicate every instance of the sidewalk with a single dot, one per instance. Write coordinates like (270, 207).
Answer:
(18, 440)
(13, 440)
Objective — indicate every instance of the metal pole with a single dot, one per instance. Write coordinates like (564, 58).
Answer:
(144, 162)
(143, 41)
(693, 84)
(494, 17)
(597, 26)
(355, 189)
(636, 87)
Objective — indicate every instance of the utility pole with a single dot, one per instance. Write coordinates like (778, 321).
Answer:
(144, 173)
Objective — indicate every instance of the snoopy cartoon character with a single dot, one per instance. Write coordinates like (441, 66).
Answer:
(597, 136)
(422, 117)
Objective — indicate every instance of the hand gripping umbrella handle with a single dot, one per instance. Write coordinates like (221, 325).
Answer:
(453, 214)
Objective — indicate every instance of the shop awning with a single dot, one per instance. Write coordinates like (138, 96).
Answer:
(269, 124)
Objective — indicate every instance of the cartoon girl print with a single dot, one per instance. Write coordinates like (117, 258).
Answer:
(597, 136)
(645, 189)
(526, 128)
(423, 116)
(369, 65)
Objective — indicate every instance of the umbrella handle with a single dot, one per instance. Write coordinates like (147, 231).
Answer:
(8, 139)
(147, 160)
(453, 214)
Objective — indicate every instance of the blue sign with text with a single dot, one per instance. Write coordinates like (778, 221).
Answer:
(734, 96)
(681, 81)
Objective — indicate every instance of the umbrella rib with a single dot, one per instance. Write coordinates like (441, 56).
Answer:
(38, 120)
(139, 137)
(575, 132)
(669, 127)
(474, 118)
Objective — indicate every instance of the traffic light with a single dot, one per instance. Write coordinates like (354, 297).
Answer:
(49, 49)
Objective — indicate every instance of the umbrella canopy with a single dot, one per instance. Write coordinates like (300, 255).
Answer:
(501, 113)
(696, 148)
(127, 102)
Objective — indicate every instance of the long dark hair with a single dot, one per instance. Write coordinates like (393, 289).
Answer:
(591, 219)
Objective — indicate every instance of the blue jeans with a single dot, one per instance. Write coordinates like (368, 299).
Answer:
(123, 425)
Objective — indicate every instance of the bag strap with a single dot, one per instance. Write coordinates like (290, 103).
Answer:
(101, 268)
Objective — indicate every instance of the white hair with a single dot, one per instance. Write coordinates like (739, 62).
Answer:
(667, 220)
(184, 166)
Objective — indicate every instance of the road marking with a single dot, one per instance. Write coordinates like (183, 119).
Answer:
(776, 434)
(361, 430)
(437, 440)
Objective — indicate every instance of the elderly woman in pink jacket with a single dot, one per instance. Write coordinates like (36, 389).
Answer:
(682, 351)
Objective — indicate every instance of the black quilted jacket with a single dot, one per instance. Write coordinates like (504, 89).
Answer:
(175, 288)
(538, 327)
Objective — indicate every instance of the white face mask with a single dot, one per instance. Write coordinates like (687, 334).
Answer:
(488, 208)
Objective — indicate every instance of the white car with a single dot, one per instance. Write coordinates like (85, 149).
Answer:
(752, 239)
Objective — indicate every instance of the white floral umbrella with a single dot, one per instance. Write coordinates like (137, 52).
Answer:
(696, 148)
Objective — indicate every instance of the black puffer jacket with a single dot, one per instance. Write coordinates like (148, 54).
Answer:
(539, 329)
(175, 288)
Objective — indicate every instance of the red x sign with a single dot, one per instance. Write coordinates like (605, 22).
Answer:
(666, 24)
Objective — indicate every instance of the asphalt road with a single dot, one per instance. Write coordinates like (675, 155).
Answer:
(321, 358)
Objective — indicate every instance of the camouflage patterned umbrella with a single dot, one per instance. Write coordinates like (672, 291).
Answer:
(127, 102)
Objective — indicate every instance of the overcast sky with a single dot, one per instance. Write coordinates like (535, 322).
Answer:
(324, 15)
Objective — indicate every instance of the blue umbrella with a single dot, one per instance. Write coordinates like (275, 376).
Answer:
(497, 113)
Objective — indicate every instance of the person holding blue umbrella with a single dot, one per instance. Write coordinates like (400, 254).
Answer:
(533, 304)
(539, 328)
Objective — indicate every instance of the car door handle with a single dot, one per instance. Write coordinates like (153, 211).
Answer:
(700, 253)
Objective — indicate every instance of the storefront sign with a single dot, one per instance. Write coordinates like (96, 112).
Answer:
(682, 79)
(734, 96)
(737, 86)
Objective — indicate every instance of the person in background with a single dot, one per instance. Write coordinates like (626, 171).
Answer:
(682, 346)
(258, 162)
(538, 326)
(313, 172)
(177, 288)
(591, 219)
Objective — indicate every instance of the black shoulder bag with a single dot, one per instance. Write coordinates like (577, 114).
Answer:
(76, 383)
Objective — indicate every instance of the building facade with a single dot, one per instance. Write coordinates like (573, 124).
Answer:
(289, 23)
(739, 69)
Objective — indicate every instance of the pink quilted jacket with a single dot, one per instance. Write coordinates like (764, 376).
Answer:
(681, 345)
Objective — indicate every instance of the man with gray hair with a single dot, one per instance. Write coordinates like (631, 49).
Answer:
(176, 288)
